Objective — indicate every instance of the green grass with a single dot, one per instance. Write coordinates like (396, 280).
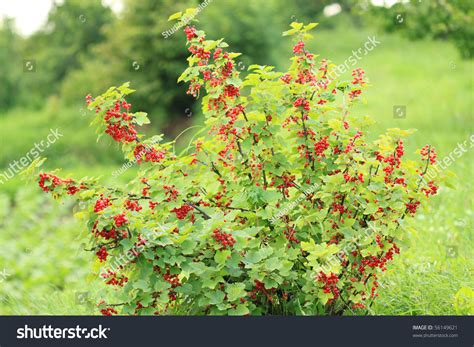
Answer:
(436, 259)
(41, 253)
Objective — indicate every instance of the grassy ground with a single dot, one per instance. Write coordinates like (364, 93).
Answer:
(433, 275)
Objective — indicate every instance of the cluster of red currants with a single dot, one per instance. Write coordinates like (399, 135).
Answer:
(225, 239)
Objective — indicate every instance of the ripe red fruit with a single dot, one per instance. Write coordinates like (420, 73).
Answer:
(108, 311)
(225, 239)
(298, 48)
(101, 204)
(133, 205)
(120, 220)
(428, 153)
(182, 212)
(102, 254)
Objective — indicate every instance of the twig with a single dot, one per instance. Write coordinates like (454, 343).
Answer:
(204, 214)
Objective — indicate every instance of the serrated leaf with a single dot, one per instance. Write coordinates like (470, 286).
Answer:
(176, 15)
(371, 208)
(240, 310)
(141, 118)
(235, 291)
(221, 256)
(289, 32)
(141, 284)
(296, 25)
(215, 297)
(310, 26)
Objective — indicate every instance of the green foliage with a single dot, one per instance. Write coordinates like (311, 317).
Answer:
(253, 30)
(313, 11)
(144, 48)
(200, 232)
(36, 270)
(9, 53)
(464, 301)
(432, 277)
(75, 145)
(437, 19)
(71, 29)
(136, 49)
(424, 281)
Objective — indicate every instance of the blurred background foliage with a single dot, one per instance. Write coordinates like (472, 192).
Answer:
(424, 62)
(451, 20)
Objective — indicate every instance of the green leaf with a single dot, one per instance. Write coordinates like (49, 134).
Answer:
(371, 208)
(324, 297)
(124, 89)
(30, 170)
(234, 55)
(211, 44)
(235, 291)
(141, 284)
(188, 247)
(240, 310)
(215, 297)
(161, 285)
(221, 256)
(308, 246)
(141, 118)
(185, 289)
(254, 67)
(464, 301)
(273, 264)
(335, 124)
(296, 25)
(176, 15)
(310, 26)
(286, 267)
(290, 32)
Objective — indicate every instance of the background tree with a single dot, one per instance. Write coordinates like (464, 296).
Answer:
(144, 48)
(254, 29)
(437, 19)
(71, 29)
(9, 64)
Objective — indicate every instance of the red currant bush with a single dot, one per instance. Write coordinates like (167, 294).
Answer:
(196, 233)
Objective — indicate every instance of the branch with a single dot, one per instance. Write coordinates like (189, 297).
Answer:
(245, 116)
(204, 214)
